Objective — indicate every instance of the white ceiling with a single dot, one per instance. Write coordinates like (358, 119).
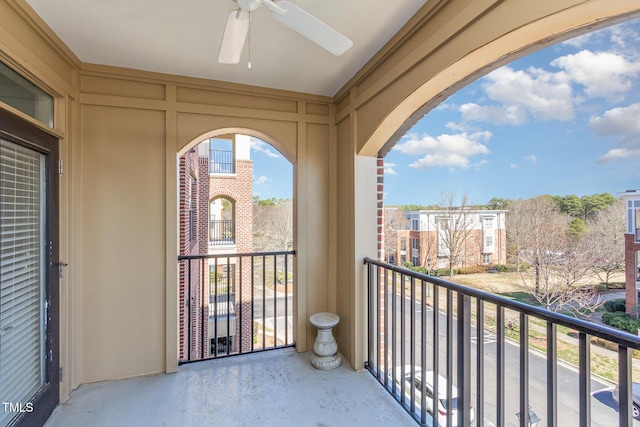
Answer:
(183, 37)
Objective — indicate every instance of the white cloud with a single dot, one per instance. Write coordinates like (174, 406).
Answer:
(531, 158)
(618, 154)
(521, 95)
(513, 165)
(452, 151)
(580, 41)
(623, 125)
(262, 180)
(262, 147)
(603, 74)
(389, 169)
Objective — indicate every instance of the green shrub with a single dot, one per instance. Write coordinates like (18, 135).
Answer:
(443, 272)
(622, 321)
(473, 269)
(421, 270)
(616, 305)
(510, 268)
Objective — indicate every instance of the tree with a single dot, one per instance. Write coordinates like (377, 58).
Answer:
(273, 225)
(606, 239)
(454, 225)
(577, 227)
(584, 207)
(559, 258)
(498, 203)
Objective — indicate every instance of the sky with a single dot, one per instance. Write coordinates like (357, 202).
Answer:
(562, 120)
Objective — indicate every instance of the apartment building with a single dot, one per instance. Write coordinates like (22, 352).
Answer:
(216, 218)
(438, 239)
(632, 247)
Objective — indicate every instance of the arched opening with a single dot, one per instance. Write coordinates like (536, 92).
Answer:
(235, 297)
(436, 235)
(222, 222)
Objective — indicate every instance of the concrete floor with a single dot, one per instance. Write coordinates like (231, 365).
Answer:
(274, 388)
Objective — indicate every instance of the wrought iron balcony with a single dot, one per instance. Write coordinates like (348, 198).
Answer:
(236, 303)
(222, 232)
(222, 161)
(488, 360)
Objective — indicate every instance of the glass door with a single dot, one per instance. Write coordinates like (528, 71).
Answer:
(29, 281)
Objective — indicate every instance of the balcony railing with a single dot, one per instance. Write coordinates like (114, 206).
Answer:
(221, 161)
(222, 232)
(235, 304)
(492, 360)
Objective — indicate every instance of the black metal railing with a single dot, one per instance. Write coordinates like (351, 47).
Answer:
(487, 359)
(235, 303)
(222, 232)
(222, 161)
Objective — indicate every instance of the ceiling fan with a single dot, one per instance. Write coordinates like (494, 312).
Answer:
(288, 14)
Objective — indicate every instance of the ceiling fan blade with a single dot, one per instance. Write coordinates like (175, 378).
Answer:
(312, 28)
(235, 34)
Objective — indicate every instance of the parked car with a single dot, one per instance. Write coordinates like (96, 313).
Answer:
(636, 399)
(443, 405)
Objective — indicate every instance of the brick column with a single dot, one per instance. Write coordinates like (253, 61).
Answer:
(630, 248)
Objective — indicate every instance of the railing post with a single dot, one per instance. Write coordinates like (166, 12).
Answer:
(552, 375)
(624, 387)
(584, 387)
(524, 370)
(449, 367)
(480, 362)
(500, 363)
(464, 360)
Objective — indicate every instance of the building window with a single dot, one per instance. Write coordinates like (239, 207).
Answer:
(222, 279)
(488, 241)
(415, 244)
(486, 258)
(222, 346)
(442, 262)
(222, 159)
(392, 259)
(443, 237)
(415, 224)
(193, 203)
(488, 223)
(403, 243)
(222, 224)
(24, 96)
(415, 260)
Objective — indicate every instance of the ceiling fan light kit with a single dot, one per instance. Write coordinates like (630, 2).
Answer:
(299, 20)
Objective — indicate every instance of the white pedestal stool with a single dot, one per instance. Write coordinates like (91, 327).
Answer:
(325, 347)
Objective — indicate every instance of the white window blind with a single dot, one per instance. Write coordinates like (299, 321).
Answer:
(22, 271)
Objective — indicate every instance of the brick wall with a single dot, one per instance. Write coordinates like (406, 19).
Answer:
(238, 189)
(630, 248)
(380, 199)
(189, 278)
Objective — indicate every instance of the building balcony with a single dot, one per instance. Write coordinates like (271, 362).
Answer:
(222, 233)
(493, 358)
(274, 388)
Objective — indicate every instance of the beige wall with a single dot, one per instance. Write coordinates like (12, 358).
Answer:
(141, 122)
(121, 131)
(446, 45)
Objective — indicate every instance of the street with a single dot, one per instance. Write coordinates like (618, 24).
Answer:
(604, 409)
